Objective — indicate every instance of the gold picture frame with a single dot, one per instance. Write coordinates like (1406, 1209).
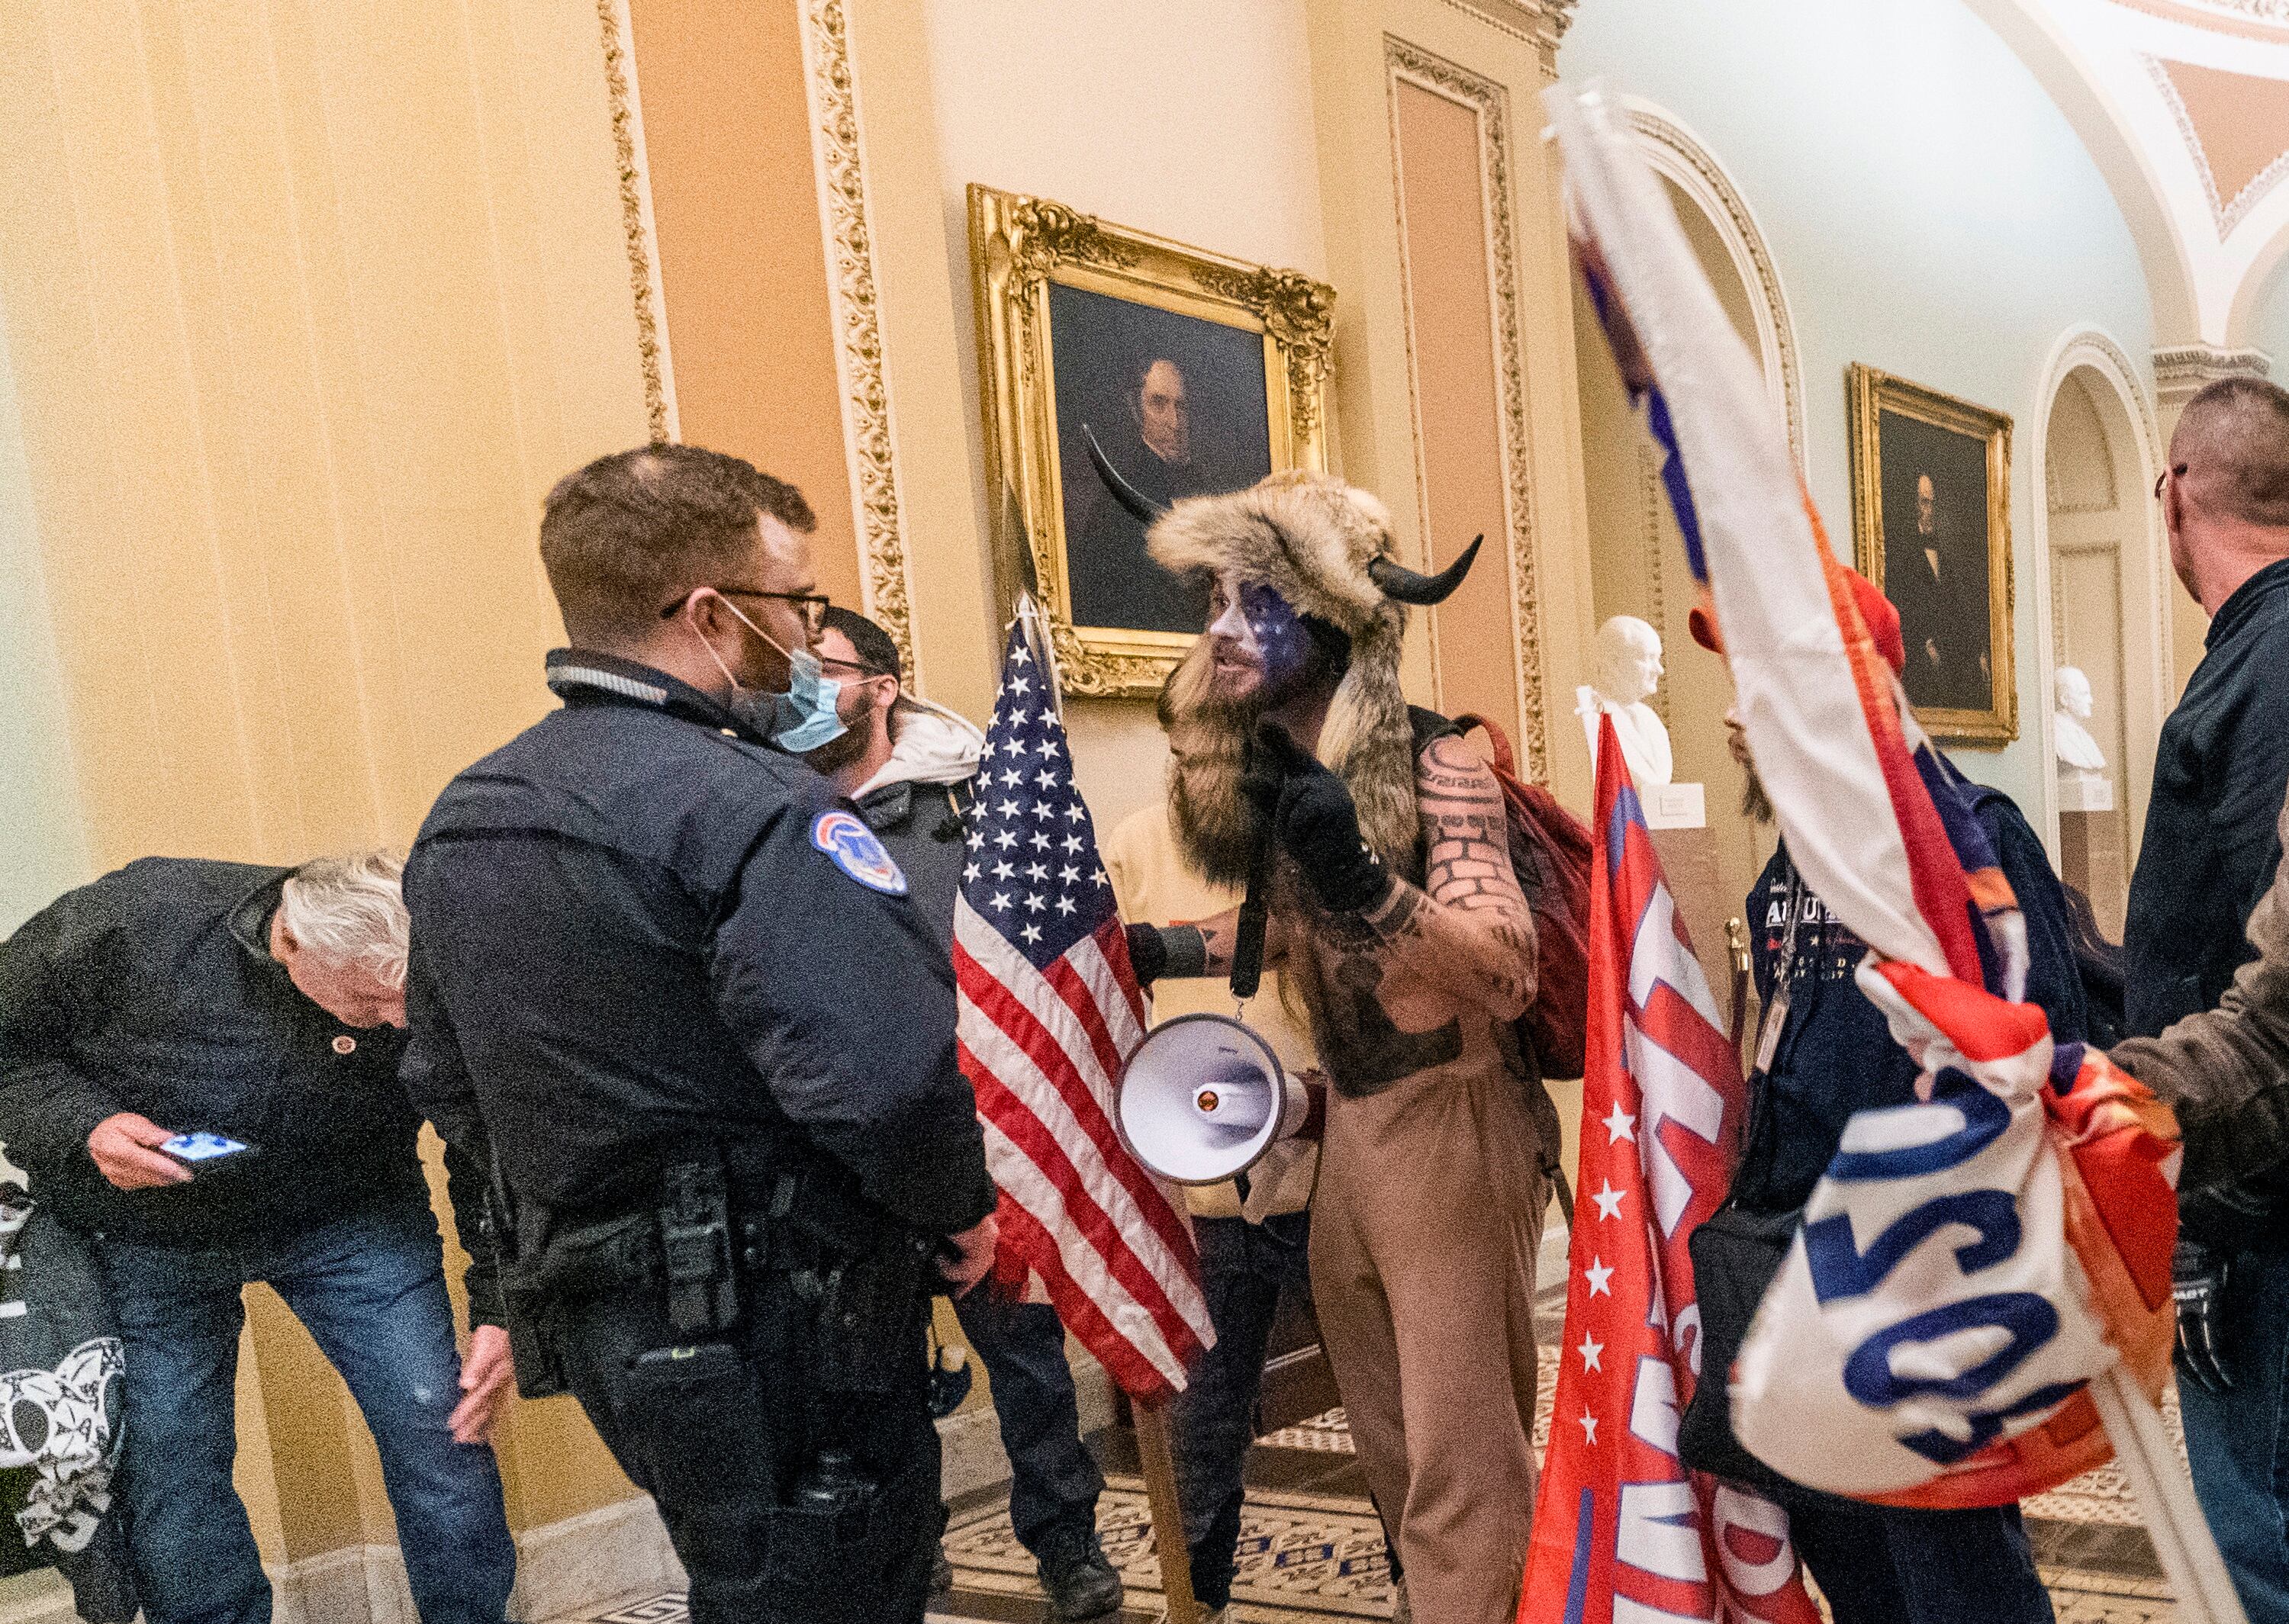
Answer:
(1033, 262)
(1931, 466)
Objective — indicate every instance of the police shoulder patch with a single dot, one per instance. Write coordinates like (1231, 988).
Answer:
(857, 851)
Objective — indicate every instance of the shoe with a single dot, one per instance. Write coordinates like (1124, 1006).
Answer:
(941, 1574)
(1078, 1581)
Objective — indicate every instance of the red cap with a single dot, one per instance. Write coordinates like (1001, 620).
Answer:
(1875, 609)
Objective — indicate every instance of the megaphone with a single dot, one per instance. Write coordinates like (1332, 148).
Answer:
(1203, 1097)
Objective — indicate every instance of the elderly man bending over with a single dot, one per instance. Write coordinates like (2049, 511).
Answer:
(258, 1012)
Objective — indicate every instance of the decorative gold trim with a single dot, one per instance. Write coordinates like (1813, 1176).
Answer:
(1677, 154)
(641, 271)
(1018, 246)
(857, 325)
(1404, 60)
(1871, 392)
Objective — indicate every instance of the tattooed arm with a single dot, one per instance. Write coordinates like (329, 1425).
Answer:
(1467, 931)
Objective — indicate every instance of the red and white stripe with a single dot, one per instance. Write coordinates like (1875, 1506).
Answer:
(1111, 1245)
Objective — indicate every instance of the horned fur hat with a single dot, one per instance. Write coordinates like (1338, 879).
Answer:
(1325, 547)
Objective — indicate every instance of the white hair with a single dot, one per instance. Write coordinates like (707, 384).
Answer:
(351, 910)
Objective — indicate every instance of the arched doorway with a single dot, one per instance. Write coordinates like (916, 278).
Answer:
(2104, 603)
(1637, 557)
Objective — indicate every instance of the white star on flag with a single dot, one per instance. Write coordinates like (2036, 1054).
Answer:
(1608, 1199)
(1589, 1424)
(1001, 899)
(1065, 904)
(1591, 1351)
(1032, 933)
(1600, 1276)
(969, 871)
(1620, 1125)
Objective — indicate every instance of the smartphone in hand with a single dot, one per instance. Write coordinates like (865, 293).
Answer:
(199, 1148)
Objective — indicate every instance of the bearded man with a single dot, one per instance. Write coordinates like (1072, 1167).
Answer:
(1396, 919)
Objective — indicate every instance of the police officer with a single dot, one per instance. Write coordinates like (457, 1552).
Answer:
(680, 998)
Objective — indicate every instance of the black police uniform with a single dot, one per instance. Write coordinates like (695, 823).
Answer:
(676, 991)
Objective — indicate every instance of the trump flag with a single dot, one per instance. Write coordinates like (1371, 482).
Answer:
(1622, 1534)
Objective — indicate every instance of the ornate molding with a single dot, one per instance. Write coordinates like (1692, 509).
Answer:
(1408, 61)
(1301, 315)
(852, 291)
(1676, 153)
(635, 221)
(1539, 23)
(2228, 213)
(2183, 371)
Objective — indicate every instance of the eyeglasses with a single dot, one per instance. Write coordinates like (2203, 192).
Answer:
(864, 671)
(2166, 475)
(811, 606)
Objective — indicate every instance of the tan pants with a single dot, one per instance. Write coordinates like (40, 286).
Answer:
(1424, 1231)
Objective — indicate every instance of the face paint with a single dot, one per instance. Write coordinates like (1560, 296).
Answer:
(1281, 643)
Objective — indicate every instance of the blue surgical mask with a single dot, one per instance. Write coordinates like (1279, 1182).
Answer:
(807, 715)
(799, 721)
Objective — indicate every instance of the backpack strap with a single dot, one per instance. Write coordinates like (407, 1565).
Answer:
(1505, 764)
(1428, 725)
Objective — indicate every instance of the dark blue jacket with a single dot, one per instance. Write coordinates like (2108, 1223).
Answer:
(638, 931)
(2211, 845)
(1835, 1054)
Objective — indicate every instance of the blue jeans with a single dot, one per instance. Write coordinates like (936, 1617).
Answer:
(1243, 1268)
(1878, 1564)
(2238, 1440)
(370, 1288)
(1054, 1481)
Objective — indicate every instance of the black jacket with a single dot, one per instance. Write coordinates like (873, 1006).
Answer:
(1835, 1054)
(153, 991)
(637, 931)
(2210, 846)
(921, 825)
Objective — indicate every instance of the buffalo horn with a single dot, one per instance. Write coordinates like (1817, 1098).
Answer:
(1398, 581)
(1142, 508)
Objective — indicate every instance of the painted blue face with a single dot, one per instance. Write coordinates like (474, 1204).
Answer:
(1281, 641)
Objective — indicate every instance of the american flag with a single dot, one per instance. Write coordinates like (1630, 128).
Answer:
(1622, 1530)
(1049, 1008)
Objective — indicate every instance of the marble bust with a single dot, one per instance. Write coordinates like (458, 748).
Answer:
(1629, 670)
(2077, 752)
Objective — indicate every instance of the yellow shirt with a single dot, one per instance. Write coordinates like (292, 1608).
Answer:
(1152, 887)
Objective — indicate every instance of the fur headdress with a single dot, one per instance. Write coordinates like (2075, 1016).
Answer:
(1324, 547)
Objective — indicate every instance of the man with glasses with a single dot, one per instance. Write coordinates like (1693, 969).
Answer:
(910, 767)
(2210, 851)
(729, 1179)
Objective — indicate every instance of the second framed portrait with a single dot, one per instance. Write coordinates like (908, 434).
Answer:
(1931, 523)
(1196, 374)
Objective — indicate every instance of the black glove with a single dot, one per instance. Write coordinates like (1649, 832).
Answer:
(1148, 955)
(1313, 818)
(2197, 1281)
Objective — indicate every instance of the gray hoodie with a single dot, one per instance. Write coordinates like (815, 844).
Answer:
(917, 804)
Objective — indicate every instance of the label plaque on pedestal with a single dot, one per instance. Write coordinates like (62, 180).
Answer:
(1674, 806)
(2086, 792)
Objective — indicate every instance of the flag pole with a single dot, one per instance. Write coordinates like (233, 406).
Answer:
(1168, 1515)
(2189, 1556)
(1151, 1423)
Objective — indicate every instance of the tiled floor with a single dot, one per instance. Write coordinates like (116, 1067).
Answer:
(1311, 1549)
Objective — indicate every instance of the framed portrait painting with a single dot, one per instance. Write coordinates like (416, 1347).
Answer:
(1196, 374)
(1931, 523)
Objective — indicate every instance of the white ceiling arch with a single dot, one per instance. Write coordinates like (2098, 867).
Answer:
(2185, 106)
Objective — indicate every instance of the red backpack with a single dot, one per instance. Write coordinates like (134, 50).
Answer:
(1549, 848)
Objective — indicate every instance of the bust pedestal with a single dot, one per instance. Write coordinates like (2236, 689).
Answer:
(2093, 850)
(1688, 858)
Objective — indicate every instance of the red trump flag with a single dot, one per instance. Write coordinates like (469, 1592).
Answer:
(1622, 1534)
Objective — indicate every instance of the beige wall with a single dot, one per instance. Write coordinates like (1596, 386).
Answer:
(307, 304)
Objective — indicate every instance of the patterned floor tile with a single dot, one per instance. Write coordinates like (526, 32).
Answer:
(1302, 1556)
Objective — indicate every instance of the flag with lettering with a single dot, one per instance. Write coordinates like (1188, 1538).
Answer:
(1623, 1532)
(1049, 1009)
(1975, 1262)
